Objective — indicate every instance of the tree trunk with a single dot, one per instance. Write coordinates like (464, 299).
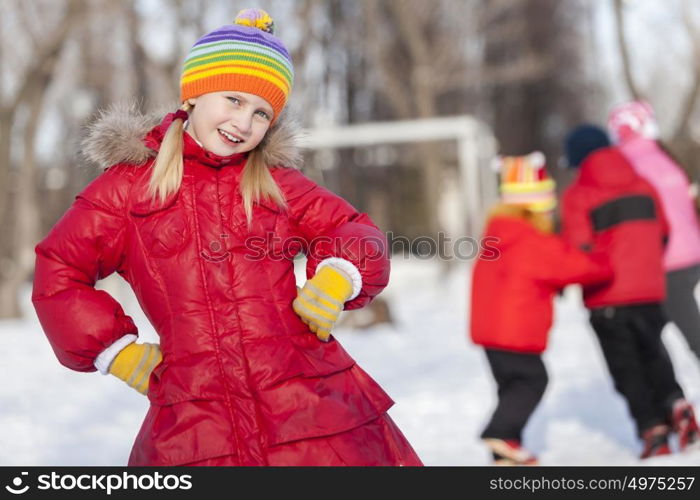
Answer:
(6, 120)
(23, 203)
(632, 88)
(534, 110)
(9, 299)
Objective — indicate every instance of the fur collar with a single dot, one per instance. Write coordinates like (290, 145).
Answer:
(116, 136)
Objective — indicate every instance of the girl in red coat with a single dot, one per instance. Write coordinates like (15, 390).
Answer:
(522, 266)
(203, 214)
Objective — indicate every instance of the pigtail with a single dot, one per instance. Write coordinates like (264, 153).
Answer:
(168, 168)
(257, 183)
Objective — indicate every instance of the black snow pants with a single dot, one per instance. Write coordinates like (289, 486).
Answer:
(521, 380)
(630, 337)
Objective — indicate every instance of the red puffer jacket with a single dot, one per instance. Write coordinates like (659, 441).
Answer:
(515, 279)
(242, 376)
(612, 210)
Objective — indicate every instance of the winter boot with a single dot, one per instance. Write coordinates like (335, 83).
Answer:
(656, 441)
(509, 452)
(685, 425)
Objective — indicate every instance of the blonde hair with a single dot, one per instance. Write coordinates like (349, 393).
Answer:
(542, 221)
(167, 171)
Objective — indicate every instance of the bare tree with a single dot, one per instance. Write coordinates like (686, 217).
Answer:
(19, 210)
(533, 70)
(618, 8)
(417, 57)
(680, 140)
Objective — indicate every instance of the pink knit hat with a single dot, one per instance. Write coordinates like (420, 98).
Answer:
(632, 120)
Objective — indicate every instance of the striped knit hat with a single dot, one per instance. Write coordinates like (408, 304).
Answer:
(244, 56)
(524, 181)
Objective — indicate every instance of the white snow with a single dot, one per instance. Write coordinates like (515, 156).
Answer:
(443, 389)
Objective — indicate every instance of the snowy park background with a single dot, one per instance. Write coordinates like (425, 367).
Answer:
(443, 390)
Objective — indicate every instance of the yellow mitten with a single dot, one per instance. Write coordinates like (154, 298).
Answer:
(135, 363)
(321, 300)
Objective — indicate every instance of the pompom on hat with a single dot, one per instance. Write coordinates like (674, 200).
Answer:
(631, 120)
(244, 56)
(524, 181)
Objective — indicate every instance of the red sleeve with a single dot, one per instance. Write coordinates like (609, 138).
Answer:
(576, 226)
(559, 264)
(332, 227)
(85, 245)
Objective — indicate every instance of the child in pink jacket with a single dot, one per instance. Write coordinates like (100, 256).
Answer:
(634, 128)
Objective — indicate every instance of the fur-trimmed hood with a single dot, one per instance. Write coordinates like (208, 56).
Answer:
(116, 136)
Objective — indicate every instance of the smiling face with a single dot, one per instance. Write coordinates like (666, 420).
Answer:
(227, 123)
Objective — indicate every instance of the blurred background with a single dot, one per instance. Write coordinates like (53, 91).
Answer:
(474, 77)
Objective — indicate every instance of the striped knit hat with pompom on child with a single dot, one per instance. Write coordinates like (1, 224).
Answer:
(245, 57)
(524, 181)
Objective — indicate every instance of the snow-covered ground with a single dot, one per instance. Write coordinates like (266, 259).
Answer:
(443, 389)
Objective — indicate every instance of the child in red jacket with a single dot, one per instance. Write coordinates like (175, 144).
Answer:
(514, 282)
(202, 213)
(609, 208)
